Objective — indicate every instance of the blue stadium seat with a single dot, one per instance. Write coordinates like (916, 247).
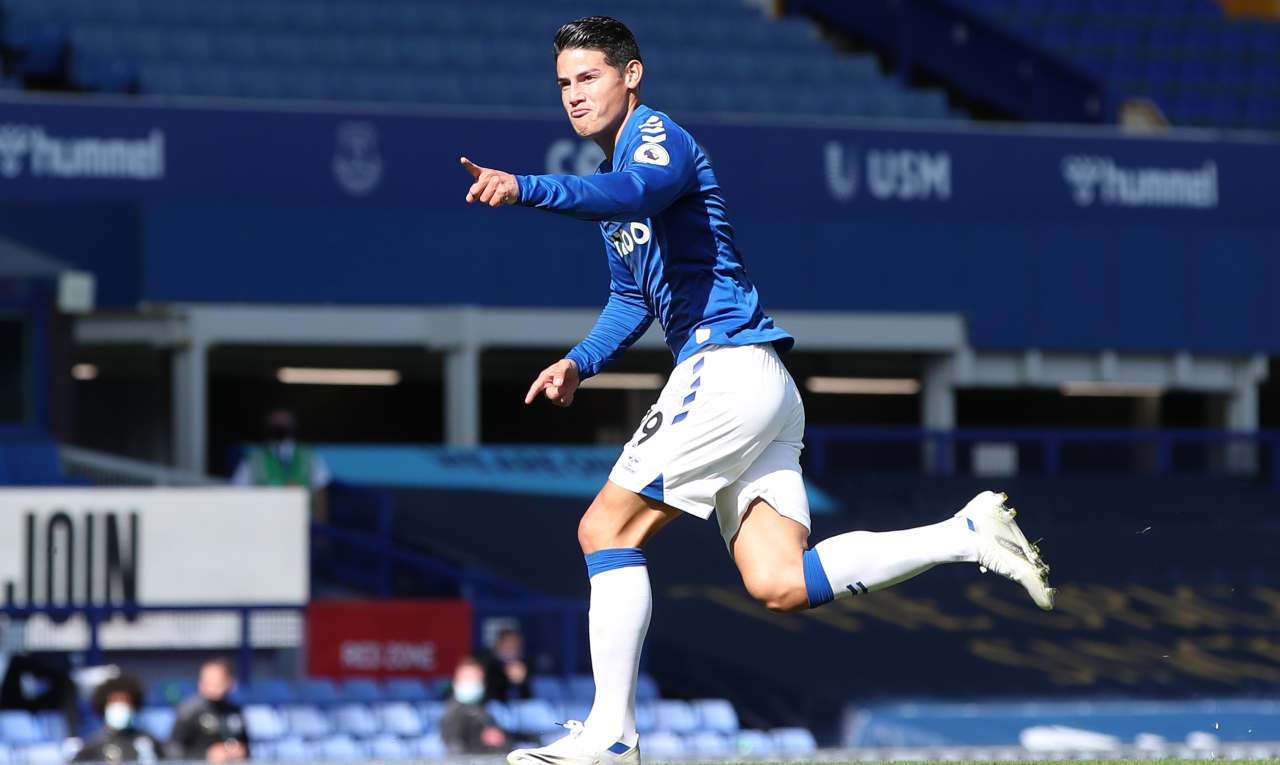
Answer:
(581, 687)
(646, 717)
(362, 690)
(293, 749)
(157, 721)
(356, 720)
(306, 721)
(548, 688)
(20, 728)
(389, 748)
(534, 715)
(503, 714)
(755, 744)
(663, 745)
(53, 725)
(431, 712)
(48, 753)
(405, 689)
(430, 746)
(710, 744)
(794, 741)
(6, 754)
(675, 716)
(647, 688)
(717, 715)
(270, 691)
(340, 748)
(263, 751)
(264, 723)
(401, 719)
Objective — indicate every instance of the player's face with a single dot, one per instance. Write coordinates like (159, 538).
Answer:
(594, 94)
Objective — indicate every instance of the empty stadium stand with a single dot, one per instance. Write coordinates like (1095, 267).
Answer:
(444, 52)
(1200, 67)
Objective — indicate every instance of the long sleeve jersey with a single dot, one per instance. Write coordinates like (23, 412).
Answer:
(669, 243)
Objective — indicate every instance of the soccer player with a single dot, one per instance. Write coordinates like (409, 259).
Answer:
(725, 434)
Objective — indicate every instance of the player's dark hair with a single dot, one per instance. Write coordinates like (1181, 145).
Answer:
(609, 36)
(121, 683)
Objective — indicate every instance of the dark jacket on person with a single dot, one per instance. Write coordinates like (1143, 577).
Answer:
(461, 728)
(497, 686)
(128, 745)
(201, 723)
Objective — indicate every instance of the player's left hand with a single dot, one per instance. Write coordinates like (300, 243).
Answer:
(557, 382)
(491, 187)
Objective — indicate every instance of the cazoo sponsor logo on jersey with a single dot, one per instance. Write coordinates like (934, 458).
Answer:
(31, 149)
(1100, 180)
(627, 238)
(904, 175)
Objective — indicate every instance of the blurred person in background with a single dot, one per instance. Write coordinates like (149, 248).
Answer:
(209, 725)
(117, 702)
(506, 676)
(283, 461)
(39, 684)
(466, 727)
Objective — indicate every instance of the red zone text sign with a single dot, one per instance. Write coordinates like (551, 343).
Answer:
(402, 638)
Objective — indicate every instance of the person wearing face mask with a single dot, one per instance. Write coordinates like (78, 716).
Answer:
(467, 728)
(283, 461)
(210, 726)
(117, 702)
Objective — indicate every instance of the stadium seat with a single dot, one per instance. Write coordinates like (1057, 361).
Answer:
(429, 746)
(292, 749)
(6, 754)
(18, 727)
(431, 712)
(548, 688)
(710, 744)
(647, 688)
(356, 720)
(264, 723)
(534, 715)
(575, 710)
(503, 714)
(755, 744)
(717, 715)
(389, 748)
(675, 716)
(405, 689)
(157, 721)
(663, 745)
(362, 690)
(53, 725)
(646, 716)
(319, 691)
(263, 751)
(309, 722)
(270, 691)
(794, 741)
(48, 753)
(340, 749)
(400, 719)
(581, 687)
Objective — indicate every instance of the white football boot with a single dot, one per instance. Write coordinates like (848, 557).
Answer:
(572, 750)
(1004, 550)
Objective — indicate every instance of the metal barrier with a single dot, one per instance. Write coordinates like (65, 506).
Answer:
(1157, 452)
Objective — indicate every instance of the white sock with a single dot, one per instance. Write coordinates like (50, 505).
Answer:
(865, 561)
(621, 603)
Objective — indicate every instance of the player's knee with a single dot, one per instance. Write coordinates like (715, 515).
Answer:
(779, 592)
(596, 532)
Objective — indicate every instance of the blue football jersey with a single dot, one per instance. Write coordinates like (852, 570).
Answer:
(670, 246)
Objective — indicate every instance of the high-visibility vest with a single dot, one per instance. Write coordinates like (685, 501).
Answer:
(269, 470)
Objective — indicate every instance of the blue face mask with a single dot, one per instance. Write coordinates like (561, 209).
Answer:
(469, 691)
(118, 715)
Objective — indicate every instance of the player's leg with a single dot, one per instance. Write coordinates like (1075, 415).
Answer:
(611, 534)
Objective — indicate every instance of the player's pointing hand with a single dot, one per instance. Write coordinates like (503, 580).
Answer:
(491, 187)
(558, 382)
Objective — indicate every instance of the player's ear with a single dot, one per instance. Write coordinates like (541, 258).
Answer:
(632, 73)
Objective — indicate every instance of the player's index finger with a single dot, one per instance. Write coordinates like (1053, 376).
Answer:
(470, 167)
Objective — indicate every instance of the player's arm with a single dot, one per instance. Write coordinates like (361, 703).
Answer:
(658, 175)
(624, 319)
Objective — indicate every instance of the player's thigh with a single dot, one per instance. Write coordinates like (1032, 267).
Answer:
(618, 517)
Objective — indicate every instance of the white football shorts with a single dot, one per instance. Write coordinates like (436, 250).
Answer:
(726, 430)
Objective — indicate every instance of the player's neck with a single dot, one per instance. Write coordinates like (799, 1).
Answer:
(608, 140)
